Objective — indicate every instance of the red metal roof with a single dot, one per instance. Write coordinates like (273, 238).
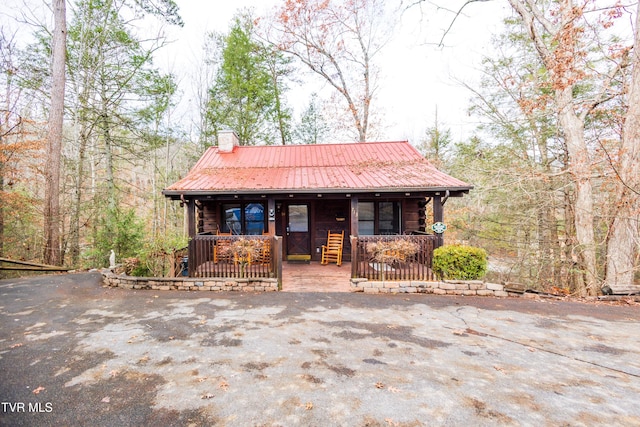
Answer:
(353, 167)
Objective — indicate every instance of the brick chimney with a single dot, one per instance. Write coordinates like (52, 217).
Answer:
(227, 141)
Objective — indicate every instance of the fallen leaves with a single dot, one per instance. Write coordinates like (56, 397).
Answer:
(468, 331)
(308, 406)
(16, 345)
(474, 332)
(207, 396)
(223, 385)
(38, 390)
(106, 399)
(379, 385)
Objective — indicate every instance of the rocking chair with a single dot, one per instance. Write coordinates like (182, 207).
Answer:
(332, 251)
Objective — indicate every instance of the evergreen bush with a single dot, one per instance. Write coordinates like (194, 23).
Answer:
(120, 230)
(459, 262)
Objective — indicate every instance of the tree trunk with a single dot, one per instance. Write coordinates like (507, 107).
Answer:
(52, 253)
(1, 207)
(104, 123)
(560, 62)
(74, 223)
(579, 166)
(624, 235)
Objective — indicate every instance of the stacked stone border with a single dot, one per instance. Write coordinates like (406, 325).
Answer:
(444, 287)
(189, 284)
(225, 284)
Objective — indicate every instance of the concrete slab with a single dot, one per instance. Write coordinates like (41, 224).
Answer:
(74, 353)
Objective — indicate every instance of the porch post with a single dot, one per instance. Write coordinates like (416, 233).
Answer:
(191, 218)
(438, 216)
(353, 235)
(354, 216)
(271, 213)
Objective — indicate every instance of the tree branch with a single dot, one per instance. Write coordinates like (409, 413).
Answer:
(468, 2)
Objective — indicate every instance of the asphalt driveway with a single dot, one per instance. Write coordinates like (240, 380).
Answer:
(75, 353)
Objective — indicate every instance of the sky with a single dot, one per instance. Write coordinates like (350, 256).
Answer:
(418, 77)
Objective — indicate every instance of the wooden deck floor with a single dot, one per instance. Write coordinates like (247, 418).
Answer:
(315, 277)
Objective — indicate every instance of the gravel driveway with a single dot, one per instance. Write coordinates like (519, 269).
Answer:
(75, 353)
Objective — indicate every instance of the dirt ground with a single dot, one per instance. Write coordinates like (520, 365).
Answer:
(75, 353)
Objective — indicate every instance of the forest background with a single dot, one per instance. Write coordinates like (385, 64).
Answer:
(554, 155)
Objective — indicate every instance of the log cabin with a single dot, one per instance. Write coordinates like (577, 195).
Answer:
(302, 192)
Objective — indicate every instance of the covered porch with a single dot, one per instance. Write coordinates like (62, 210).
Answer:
(257, 257)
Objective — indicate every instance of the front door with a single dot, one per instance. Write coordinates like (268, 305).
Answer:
(298, 239)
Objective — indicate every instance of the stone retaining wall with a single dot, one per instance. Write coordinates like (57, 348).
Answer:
(445, 287)
(190, 284)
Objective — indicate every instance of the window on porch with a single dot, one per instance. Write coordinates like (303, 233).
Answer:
(378, 218)
(243, 218)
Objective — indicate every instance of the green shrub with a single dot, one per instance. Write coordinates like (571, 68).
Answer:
(154, 259)
(459, 262)
(120, 230)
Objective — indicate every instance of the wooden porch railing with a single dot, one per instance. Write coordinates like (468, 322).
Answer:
(213, 256)
(415, 267)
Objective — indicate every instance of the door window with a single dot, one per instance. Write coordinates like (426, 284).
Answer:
(298, 219)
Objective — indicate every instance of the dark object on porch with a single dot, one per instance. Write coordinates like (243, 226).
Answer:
(332, 251)
(184, 266)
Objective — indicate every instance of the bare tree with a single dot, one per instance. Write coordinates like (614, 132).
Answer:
(337, 40)
(561, 60)
(585, 73)
(52, 249)
(623, 243)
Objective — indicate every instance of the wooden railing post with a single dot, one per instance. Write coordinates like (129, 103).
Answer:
(277, 257)
(354, 256)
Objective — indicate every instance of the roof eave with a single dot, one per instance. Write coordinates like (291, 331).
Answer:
(196, 193)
